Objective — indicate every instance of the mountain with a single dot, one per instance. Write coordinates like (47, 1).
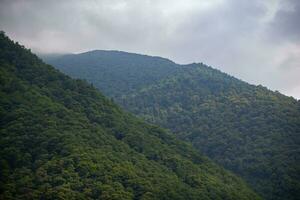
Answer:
(250, 130)
(115, 73)
(62, 139)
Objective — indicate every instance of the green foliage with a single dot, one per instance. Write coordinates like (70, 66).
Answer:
(61, 139)
(248, 129)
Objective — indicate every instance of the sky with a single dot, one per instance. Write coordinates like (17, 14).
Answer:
(257, 41)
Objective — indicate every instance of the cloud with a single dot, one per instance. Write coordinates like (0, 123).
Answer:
(285, 24)
(257, 41)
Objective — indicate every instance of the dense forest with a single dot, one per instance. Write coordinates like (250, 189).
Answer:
(250, 130)
(62, 139)
(115, 73)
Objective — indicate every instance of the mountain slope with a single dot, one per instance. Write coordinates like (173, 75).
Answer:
(248, 129)
(61, 139)
(115, 73)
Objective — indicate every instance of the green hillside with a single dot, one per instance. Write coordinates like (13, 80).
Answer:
(248, 129)
(62, 139)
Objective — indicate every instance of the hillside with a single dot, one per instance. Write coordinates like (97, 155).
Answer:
(62, 139)
(115, 73)
(248, 129)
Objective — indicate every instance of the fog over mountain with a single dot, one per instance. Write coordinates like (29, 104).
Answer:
(257, 41)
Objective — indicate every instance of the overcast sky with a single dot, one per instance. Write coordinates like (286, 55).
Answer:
(255, 40)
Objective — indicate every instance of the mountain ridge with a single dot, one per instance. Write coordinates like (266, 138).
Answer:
(50, 58)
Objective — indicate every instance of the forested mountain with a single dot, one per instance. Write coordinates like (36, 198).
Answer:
(248, 129)
(62, 139)
(115, 73)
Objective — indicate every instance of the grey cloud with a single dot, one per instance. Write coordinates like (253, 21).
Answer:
(286, 21)
(214, 31)
(240, 37)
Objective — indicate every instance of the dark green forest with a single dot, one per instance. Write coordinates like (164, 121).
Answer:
(250, 130)
(62, 139)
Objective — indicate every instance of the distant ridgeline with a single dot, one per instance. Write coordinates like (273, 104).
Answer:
(60, 138)
(248, 129)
